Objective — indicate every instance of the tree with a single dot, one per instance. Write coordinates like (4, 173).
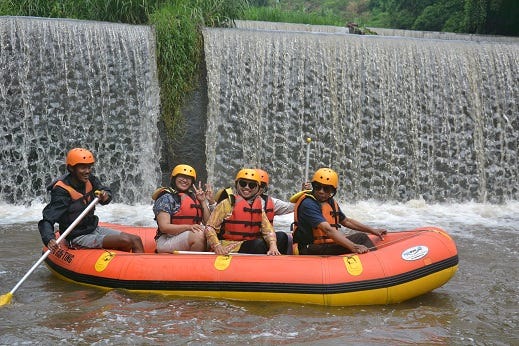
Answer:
(475, 15)
(436, 16)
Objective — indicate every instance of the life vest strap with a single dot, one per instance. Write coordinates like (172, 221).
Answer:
(252, 210)
(245, 223)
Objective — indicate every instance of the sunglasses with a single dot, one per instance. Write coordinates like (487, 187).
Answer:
(325, 188)
(252, 184)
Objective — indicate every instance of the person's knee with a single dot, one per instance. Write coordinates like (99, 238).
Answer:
(363, 239)
(196, 237)
(282, 242)
(132, 241)
(281, 236)
(197, 241)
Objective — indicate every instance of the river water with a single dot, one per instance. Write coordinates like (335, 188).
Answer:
(479, 306)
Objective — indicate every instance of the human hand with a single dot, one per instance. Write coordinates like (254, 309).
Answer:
(379, 232)
(102, 195)
(357, 248)
(53, 245)
(199, 192)
(220, 250)
(209, 193)
(197, 228)
(273, 251)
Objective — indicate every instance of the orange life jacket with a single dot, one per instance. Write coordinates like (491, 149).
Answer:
(245, 220)
(190, 211)
(79, 203)
(330, 211)
(74, 194)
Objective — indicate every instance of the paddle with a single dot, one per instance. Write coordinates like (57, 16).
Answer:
(6, 298)
(308, 141)
(179, 252)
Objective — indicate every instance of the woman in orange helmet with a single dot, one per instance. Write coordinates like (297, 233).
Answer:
(70, 195)
(239, 223)
(181, 212)
(318, 217)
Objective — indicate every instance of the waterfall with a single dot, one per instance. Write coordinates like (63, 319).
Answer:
(69, 83)
(398, 118)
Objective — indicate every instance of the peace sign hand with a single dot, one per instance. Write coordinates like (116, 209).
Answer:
(199, 192)
(209, 194)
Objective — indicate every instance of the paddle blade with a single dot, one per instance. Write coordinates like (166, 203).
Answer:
(5, 298)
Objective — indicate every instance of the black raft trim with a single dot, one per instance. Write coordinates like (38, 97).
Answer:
(151, 285)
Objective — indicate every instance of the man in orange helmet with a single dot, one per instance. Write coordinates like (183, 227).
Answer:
(239, 223)
(318, 217)
(70, 195)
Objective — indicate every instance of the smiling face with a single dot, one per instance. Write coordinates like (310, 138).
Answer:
(81, 172)
(247, 188)
(183, 182)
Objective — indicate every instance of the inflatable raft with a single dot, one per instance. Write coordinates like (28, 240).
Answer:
(405, 265)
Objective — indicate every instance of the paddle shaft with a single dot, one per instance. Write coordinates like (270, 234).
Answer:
(307, 164)
(66, 233)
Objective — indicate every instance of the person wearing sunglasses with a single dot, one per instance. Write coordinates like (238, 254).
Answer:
(181, 211)
(318, 217)
(239, 223)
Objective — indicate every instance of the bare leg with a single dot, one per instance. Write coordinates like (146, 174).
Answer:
(125, 242)
(197, 241)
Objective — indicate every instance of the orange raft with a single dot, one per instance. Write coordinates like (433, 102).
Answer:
(405, 265)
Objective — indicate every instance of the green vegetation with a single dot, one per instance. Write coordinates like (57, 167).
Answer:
(276, 14)
(123, 11)
(498, 17)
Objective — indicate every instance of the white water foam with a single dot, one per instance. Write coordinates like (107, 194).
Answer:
(392, 216)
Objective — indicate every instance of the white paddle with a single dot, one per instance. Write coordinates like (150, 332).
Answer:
(6, 298)
(308, 141)
(180, 252)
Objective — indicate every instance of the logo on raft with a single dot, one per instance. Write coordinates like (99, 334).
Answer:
(414, 253)
(64, 255)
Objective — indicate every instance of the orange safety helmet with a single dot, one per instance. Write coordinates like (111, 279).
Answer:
(185, 170)
(326, 176)
(264, 176)
(79, 155)
(249, 174)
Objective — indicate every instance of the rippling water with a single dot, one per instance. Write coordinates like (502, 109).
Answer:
(479, 306)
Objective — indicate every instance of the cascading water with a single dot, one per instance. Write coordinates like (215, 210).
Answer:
(398, 118)
(68, 83)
